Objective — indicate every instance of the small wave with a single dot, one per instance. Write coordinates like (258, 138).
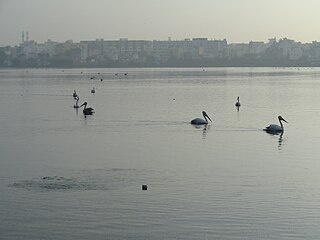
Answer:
(59, 183)
(95, 179)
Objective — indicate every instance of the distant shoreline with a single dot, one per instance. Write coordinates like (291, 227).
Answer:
(159, 67)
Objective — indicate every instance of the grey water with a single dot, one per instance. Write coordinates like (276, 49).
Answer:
(67, 176)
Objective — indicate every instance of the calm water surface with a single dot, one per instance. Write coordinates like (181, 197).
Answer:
(64, 176)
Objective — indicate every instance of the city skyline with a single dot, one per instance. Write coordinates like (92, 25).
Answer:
(141, 53)
(25, 37)
(157, 20)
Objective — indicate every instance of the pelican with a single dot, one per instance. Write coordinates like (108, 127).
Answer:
(274, 128)
(76, 105)
(87, 111)
(93, 90)
(238, 102)
(200, 121)
(74, 94)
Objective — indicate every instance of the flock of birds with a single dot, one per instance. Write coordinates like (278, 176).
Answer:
(88, 110)
(272, 128)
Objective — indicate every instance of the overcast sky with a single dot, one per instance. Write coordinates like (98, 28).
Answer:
(236, 20)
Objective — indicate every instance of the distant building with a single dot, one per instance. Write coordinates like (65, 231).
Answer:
(186, 52)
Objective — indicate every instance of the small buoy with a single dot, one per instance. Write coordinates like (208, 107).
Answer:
(144, 187)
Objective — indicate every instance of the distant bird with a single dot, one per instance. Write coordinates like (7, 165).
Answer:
(93, 90)
(77, 100)
(75, 95)
(238, 102)
(201, 121)
(274, 128)
(125, 74)
(87, 111)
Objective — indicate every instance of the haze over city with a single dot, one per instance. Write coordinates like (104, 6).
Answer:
(237, 21)
(159, 119)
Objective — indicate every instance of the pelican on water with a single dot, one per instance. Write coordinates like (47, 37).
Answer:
(77, 100)
(201, 121)
(74, 94)
(87, 111)
(238, 102)
(274, 128)
(93, 90)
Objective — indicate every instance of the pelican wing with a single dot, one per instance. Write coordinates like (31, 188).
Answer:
(273, 128)
(198, 121)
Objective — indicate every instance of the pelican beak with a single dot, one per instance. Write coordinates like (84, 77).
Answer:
(206, 115)
(281, 118)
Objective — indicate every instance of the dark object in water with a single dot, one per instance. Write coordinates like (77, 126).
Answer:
(75, 95)
(87, 111)
(144, 187)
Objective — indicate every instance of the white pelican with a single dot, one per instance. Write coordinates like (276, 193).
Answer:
(93, 90)
(274, 128)
(201, 121)
(87, 111)
(77, 100)
(238, 102)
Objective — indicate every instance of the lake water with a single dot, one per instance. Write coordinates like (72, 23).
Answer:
(66, 176)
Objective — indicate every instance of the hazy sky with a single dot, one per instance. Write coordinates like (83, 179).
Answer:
(235, 20)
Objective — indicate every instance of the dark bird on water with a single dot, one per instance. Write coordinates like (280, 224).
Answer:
(274, 128)
(87, 111)
(74, 94)
(238, 102)
(77, 100)
(201, 121)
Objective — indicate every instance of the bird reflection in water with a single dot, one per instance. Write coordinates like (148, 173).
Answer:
(280, 141)
(205, 129)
